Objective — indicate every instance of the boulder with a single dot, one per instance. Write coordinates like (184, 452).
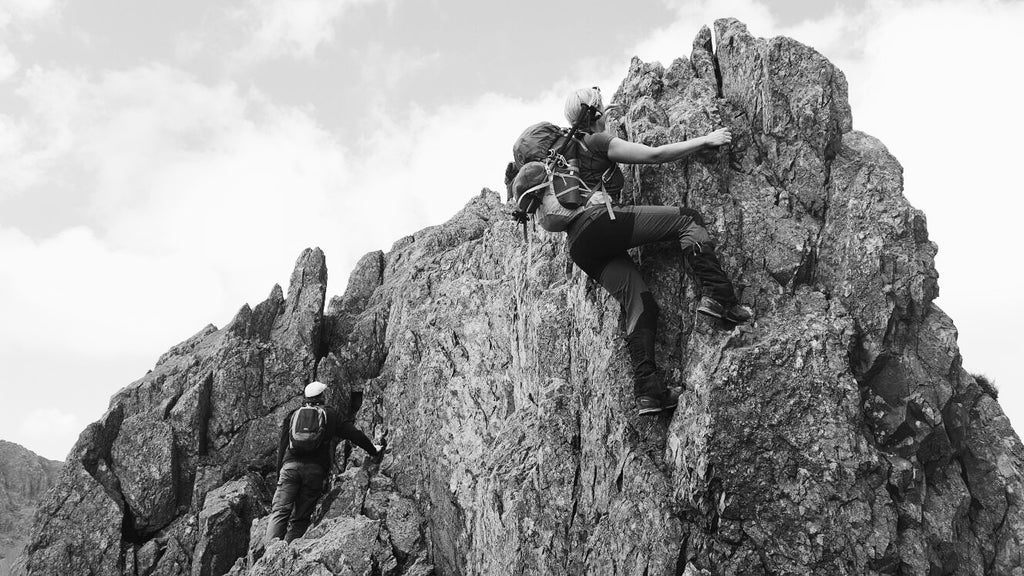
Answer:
(145, 462)
(224, 525)
(342, 545)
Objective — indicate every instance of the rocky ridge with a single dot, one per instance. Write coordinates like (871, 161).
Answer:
(838, 434)
(24, 479)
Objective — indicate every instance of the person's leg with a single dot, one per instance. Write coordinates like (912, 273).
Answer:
(623, 281)
(640, 340)
(313, 476)
(652, 396)
(714, 284)
(659, 223)
(663, 223)
(638, 225)
(289, 482)
(598, 248)
(620, 277)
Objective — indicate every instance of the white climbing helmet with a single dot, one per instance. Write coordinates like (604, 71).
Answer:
(314, 389)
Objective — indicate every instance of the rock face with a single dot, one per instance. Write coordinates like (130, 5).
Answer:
(837, 434)
(24, 479)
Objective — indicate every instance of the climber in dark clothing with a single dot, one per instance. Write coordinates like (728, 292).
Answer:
(598, 243)
(304, 460)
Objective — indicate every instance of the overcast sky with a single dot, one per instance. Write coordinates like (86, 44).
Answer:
(162, 163)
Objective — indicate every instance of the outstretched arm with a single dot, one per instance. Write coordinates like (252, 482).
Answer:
(348, 431)
(620, 150)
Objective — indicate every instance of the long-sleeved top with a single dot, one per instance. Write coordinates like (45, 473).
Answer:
(337, 429)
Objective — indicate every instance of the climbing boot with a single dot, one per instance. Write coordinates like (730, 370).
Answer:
(649, 391)
(736, 314)
(646, 405)
(666, 401)
(652, 396)
(718, 295)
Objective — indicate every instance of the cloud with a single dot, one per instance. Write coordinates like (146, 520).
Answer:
(8, 63)
(74, 294)
(384, 68)
(16, 20)
(675, 39)
(837, 34)
(423, 168)
(32, 142)
(49, 432)
(291, 28)
(207, 177)
(25, 10)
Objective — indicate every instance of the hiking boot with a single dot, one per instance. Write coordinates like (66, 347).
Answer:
(667, 400)
(735, 314)
(649, 405)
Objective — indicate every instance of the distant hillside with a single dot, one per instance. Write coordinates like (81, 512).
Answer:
(24, 478)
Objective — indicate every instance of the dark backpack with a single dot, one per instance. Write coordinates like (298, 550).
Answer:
(548, 146)
(307, 429)
(545, 171)
(538, 142)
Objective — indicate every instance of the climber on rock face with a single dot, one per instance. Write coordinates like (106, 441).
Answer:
(304, 456)
(599, 236)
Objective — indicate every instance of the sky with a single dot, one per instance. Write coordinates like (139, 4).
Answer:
(163, 163)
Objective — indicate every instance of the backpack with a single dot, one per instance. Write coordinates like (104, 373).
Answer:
(553, 192)
(548, 145)
(307, 429)
(541, 142)
(544, 174)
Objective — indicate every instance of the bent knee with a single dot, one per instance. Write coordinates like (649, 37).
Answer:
(642, 313)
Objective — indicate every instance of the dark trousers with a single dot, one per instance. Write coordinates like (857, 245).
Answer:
(299, 486)
(598, 245)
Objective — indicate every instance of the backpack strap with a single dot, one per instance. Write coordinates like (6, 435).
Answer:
(605, 178)
(543, 184)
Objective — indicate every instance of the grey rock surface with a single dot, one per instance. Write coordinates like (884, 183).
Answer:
(24, 479)
(148, 484)
(835, 434)
(224, 522)
(343, 545)
(81, 521)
